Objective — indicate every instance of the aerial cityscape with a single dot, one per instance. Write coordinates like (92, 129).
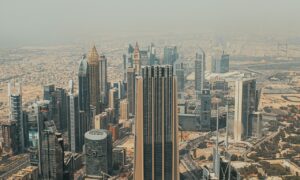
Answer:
(99, 90)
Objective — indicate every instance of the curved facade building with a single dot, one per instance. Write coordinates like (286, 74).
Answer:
(98, 152)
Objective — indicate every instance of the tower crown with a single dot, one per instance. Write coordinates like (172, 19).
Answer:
(93, 56)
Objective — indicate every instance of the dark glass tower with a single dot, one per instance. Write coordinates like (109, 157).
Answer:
(156, 155)
(170, 55)
(103, 80)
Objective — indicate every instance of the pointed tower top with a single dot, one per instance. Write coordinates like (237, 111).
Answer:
(93, 56)
(136, 47)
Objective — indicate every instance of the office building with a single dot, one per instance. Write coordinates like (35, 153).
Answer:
(199, 71)
(83, 98)
(76, 129)
(205, 109)
(103, 80)
(220, 64)
(114, 130)
(10, 165)
(9, 136)
(16, 113)
(101, 121)
(119, 157)
(245, 105)
(48, 90)
(153, 60)
(98, 152)
(257, 125)
(52, 152)
(144, 58)
(114, 103)
(180, 77)
(93, 72)
(131, 90)
(124, 115)
(170, 55)
(156, 154)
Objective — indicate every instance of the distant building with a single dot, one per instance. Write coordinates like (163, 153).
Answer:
(170, 55)
(199, 72)
(220, 65)
(136, 59)
(180, 77)
(98, 152)
(114, 130)
(48, 90)
(11, 165)
(144, 57)
(245, 104)
(156, 154)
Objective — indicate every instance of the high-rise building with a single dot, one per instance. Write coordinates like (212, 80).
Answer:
(170, 55)
(114, 103)
(9, 136)
(124, 115)
(257, 125)
(153, 60)
(101, 121)
(119, 157)
(180, 77)
(75, 130)
(220, 65)
(48, 90)
(16, 113)
(199, 71)
(245, 105)
(52, 152)
(156, 154)
(83, 98)
(131, 90)
(103, 80)
(205, 109)
(98, 152)
(136, 59)
(93, 72)
(144, 57)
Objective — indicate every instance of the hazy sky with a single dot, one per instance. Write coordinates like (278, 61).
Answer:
(26, 22)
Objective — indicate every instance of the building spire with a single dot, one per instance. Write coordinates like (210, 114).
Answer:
(93, 56)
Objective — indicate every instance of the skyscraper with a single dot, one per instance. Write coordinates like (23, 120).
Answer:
(245, 105)
(103, 80)
(16, 114)
(48, 90)
(83, 98)
(52, 152)
(205, 109)
(220, 65)
(136, 59)
(93, 72)
(199, 71)
(114, 103)
(180, 77)
(156, 154)
(170, 55)
(75, 130)
(98, 152)
(131, 90)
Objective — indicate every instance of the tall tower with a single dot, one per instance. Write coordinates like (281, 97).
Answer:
(93, 72)
(245, 105)
(170, 55)
(205, 109)
(199, 71)
(75, 129)
(131, 90)
(156, 155)
(136, 59)
(15, 112)
(103, 80)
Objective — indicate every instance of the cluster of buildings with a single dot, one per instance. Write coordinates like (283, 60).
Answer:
(74, 133)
